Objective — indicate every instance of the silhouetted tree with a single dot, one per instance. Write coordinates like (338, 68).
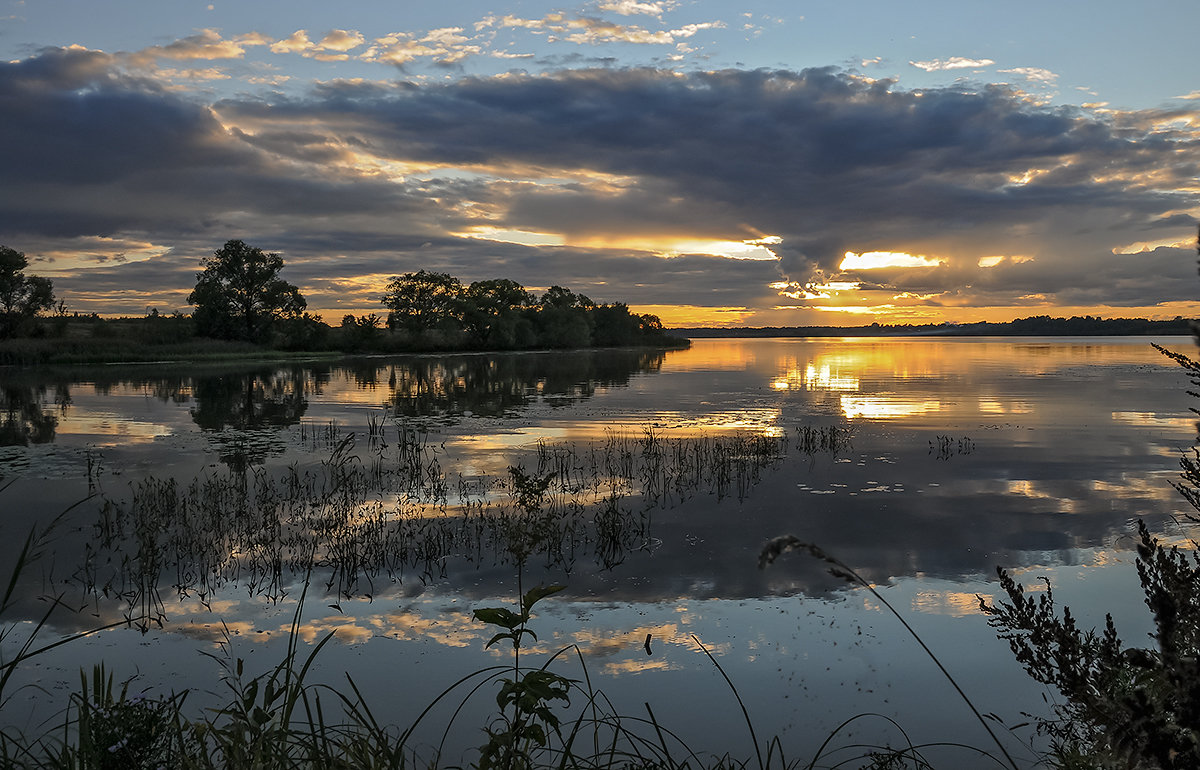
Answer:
(361, 332)
(423, 300)
(564, 319)
(559, 297)
(615, 325)
(494, 311)
(240, 295)
(306, 331)
(22, 297)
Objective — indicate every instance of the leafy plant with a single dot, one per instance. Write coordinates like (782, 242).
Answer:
(256, 727)
(525, 699)
(1124, 707)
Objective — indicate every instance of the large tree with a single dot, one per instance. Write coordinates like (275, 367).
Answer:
(423, 300)
(240, 295)
(493, 312)
(22, 296)
(564, 319)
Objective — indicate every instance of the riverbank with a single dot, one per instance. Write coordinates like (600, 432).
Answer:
(78, 350)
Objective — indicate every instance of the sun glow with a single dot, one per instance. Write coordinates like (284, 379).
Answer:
(874, 260)
(676, 316)
(1142, 247)
(671, 246)
(523, 237)
(750, 249)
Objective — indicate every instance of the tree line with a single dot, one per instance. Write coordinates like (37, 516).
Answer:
(240, 296)
(1033, 326)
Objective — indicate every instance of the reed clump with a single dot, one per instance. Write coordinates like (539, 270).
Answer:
(394, 510)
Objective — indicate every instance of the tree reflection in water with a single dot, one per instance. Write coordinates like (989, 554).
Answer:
(25, 417)
(501, 386)
(244, 412)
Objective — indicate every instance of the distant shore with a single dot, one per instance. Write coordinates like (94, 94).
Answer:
(1036, 326)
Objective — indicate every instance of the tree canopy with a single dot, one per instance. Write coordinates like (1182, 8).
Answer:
(494, 313)
(423, 300)
(22, 296)
(435, 310)
(240, 295)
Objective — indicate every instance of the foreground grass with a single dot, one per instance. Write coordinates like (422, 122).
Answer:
(276, 719)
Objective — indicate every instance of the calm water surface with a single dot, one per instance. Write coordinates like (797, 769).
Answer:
(924, 464)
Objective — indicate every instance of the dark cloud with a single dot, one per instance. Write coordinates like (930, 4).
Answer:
(830, 160)
(89, 151)
(376, 178)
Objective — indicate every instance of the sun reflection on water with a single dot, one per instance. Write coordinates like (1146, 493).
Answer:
(884, 407)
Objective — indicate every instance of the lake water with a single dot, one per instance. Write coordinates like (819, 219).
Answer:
(922, 463)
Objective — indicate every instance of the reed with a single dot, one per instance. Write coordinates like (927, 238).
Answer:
(394, 510)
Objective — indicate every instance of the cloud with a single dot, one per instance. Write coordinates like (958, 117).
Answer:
(207, 44)
(633, 7)
(342, 40)
(445, 46)
(297, 42)
(207, 73)
(586, 30)
(1034, 75)
(333, 47)
(953, 63)
(360, 179)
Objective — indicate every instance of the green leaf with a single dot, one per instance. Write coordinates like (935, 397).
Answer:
(250, 695)
(537, 734)
(536, 594)
(498, 637)
(499, 616)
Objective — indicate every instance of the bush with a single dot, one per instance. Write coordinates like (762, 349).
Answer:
(1125, 707)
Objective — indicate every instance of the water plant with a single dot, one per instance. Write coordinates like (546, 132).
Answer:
(393, 510)
(347, 518)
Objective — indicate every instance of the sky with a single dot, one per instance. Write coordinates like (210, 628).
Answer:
(760, 164)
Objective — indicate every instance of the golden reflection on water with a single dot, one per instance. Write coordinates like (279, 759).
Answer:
(1156, 419)
(954, 603)
(854, 367)
(1153, 486)
(116, 427)
(714, 355)
(885, 407)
